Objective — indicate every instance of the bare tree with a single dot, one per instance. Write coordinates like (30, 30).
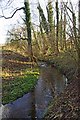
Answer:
(75, 34)
(57, 28)
(61, 28)
(27, 21)
(64, 33)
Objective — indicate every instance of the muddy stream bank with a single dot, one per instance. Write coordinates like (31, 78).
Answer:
(34, 104)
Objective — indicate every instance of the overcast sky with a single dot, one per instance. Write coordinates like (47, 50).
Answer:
(6, 25)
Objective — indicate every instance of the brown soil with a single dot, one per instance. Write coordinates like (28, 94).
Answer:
(66, 106)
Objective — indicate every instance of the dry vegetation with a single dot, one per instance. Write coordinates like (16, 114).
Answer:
(66, 106)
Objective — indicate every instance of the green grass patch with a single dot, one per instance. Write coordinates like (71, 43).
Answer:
(13, 89)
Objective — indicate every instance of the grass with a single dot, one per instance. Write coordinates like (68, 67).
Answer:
(17, 76)
(13, 89)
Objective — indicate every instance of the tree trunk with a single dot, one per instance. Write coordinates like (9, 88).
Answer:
(61, 35)
(57, 28)
(36, 40)
(44, 45)
(28, 25)
(51, 25)
(64, 34)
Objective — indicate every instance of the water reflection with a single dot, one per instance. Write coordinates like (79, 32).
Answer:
(33, 104)
(51, 83)
(33, 110)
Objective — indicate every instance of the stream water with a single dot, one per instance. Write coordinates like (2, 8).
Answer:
(33, 105)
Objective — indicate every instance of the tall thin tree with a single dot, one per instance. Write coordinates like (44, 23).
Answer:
(64, 33)
(51, 24)
(43, 18)
(57, 28)
(28, 25)
(61, 28)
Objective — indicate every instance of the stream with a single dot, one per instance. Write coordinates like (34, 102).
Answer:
(34, 104)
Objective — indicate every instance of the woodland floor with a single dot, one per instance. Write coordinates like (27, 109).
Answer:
(66, 105)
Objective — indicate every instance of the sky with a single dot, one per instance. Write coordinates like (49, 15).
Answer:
(6, 25)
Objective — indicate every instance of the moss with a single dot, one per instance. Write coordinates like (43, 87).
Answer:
(13, 89)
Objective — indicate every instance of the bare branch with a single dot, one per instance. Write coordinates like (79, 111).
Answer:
(68, 8)
(9, 2)
(71, 13)
(2, 16)
(21, 38)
